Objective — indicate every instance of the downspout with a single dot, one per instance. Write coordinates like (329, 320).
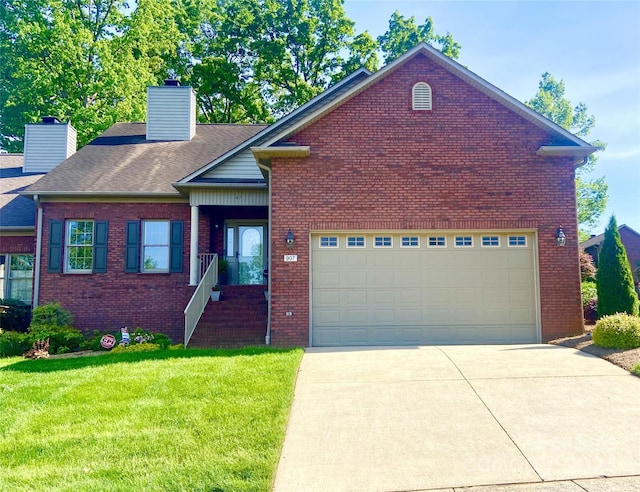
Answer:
(36, 273)
(267, 338)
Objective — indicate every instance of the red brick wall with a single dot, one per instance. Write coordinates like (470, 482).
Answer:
(109, 300)
(17, 244)
(467, 164)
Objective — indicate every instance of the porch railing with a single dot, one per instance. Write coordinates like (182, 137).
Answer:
(205, 259)
(200, 297)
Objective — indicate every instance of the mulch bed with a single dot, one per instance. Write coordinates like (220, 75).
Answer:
(627, 359)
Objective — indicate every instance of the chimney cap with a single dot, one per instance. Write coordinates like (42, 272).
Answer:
(172, 82)
(50, 120)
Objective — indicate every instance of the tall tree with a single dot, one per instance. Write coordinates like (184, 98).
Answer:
(403, 34)
(614, 281)
(550, 101)
(84, 61)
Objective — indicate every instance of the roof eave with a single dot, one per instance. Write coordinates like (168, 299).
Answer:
(580, 153)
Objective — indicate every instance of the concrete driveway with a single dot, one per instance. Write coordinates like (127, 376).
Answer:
(421, 418)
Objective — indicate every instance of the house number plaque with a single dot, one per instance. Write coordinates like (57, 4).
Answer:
(288, 258)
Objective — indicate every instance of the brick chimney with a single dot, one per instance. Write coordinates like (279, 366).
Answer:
(171, 112)
(47, 144)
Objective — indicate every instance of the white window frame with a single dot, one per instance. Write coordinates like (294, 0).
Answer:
(329, 242)
(490, 238)
(382, 238)
(517, 237)
(429, 245)
(456, 245)
(143, 267)
(357, 239)
(409, 238)
(68, 247)
(12, 278)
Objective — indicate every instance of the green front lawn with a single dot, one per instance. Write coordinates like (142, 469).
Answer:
(179, 420)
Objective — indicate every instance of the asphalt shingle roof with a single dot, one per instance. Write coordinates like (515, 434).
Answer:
(123, 161)
(15, 210)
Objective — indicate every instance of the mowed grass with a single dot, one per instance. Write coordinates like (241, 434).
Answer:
(183, 420)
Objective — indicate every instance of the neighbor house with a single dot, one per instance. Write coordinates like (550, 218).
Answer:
(630, 240)
(45, 147)
(415, 205)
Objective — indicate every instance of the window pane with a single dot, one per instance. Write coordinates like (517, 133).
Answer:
(156, 258)
(156, 233)
(79, 252)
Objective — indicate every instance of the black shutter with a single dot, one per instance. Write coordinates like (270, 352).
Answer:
(100, 230)
(176, 246)
(132, 250)
(56, 236)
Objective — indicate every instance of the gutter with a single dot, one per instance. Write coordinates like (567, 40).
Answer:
(267, 338)
(36, 272)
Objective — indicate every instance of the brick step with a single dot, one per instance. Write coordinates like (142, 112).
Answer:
(239, 319)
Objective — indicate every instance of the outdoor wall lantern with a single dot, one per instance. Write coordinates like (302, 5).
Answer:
(561, 239)
(290, 239)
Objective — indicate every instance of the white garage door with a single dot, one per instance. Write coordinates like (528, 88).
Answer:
(423, 288)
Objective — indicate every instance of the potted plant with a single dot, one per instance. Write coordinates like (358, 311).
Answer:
(215, 293)
(223, 271)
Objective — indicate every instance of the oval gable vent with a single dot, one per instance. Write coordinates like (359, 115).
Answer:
(422, 96)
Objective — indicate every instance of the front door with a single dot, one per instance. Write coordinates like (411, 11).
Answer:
(245, 252)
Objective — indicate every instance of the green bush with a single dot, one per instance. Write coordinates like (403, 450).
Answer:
(588, 291)
(16, 317)
(60, 338)
(177, 346)
(136, 347)
(51, 314)
(13, 343)
(619, 331)
(161, 339)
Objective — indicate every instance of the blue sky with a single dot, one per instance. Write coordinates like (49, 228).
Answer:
(593, 46)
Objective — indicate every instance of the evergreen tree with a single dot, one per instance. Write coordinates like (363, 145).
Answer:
(614, 281)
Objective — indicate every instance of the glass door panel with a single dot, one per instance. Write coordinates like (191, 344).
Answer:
(250, 254)
(245, 253)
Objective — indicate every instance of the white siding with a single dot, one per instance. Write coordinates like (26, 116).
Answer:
(47, 145)
(242, 166)
(229, 197)
(171, 113)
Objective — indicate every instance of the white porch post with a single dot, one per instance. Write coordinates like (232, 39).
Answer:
(193, 253)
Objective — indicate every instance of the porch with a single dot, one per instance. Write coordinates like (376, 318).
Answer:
(237, 238)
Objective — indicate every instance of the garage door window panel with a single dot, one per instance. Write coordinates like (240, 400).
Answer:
(356, 242)
(328, 241)
(517, 241)
(464, 242)
(383, 242)
(490, 241)
(437, 242)
(410, 242)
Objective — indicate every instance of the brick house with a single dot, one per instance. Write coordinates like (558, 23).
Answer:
(415, 205)
(630, 240)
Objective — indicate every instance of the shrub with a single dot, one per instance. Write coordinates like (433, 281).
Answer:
(51, 314)
(13, 343)
(636, 370)
(616, 292)
(588, 291)
(161, 339)
(619, 331)
(177, 346)
(587, 268)
(16, 317)
(61, 338)
(136, 347)
(590, 311)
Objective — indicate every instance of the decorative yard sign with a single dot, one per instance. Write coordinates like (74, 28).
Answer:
(289, 258)
(125, 336)
(107, 342)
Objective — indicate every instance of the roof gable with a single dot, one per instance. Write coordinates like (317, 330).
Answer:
(578, 148)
